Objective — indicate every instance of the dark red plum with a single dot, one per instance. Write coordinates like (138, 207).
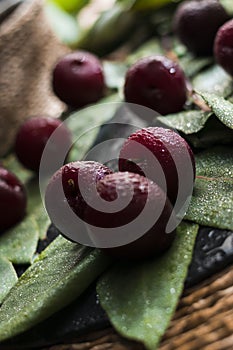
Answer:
(148, 149)
(223, 47)
(70, 177)
(13, 199)
(197, 22)
(78, 79)
(156, 82)
(141, 191)
(32, 137)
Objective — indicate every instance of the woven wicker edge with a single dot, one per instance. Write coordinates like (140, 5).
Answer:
(203, 321)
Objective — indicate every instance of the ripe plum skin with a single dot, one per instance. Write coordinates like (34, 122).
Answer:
(78, 79)
(165, 145)
(70, 176)
(32, 137)
(197, 22)
(223, 47)
(13, 199)
(155, 240)
(156, 82)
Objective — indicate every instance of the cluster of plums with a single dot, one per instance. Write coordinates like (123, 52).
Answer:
(205, 28)
(155, 82)
(97, 181)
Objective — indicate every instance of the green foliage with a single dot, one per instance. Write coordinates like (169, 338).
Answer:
(8, 277)
(64, 25)
(188, 122)
(212, 201)
(213, 80)
(58, 276)
(70, 6)
(140, 299)
(222, 108)
(19, 243)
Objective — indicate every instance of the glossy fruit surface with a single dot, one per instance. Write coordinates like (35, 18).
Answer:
(196, 24)
(148, 149)
(223, 47)
(84, 173)
(117, 187)
(156, 82)
(78, 79)
(12, 199)
(32, 137)
(77, 181)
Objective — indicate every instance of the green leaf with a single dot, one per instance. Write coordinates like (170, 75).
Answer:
(85, 125)
(8, 277)
(192, 65)
(213, 80)
(212, 201)
(111, 28)
(64, 25)
(19, 243)
(114, 74)
(188, 122)
(141, 5)
(151, 47)
(222, 108)
(216, 162)
(141, 298)
(43, 221)
(36, 208)
(60, 274)
(228, 5)
(71, 6)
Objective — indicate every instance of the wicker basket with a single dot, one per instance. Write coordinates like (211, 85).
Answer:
(203, 321)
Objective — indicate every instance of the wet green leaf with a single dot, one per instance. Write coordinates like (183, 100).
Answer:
(216, 162)
(43, 221)
(59, 275)
(8, 277)
(151, 47)
(114, 74)
(36, 208)
(188, 122)
(85, 125)
(222, 108)
(212, 201)
(213, 80)
(140, 299)
(19, 243)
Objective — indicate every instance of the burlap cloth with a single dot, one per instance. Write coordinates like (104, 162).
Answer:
(203, 321)
(28, 51)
